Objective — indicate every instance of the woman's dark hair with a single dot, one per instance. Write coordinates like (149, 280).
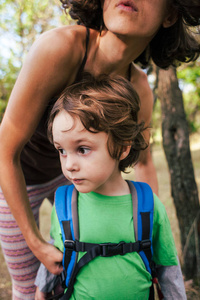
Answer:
(170, 46)
(105, 104)
(86, 12)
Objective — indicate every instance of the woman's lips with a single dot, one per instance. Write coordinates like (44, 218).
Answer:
(127, 5)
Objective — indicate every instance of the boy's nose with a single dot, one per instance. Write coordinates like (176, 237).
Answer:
(71, 163)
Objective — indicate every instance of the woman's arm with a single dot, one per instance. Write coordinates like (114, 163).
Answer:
(145, 169)
(51, 65)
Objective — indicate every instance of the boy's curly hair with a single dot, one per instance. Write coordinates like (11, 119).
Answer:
(170, 46)
(105, 104)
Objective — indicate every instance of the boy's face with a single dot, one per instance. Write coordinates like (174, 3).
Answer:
(84, 156)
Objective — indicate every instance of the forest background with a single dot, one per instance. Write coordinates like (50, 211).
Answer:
(22, 22)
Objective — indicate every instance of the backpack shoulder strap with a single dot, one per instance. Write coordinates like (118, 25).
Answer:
(143, 207)
(67, 213)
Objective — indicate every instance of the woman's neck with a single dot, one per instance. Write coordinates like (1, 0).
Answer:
(112, 54)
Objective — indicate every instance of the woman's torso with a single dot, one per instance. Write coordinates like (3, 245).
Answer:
(39, 159)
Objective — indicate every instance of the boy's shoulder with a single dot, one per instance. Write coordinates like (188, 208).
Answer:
(160, 213)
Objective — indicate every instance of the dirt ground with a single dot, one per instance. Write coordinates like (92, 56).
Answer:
(5, 284)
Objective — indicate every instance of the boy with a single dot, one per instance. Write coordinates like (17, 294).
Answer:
(94, 127)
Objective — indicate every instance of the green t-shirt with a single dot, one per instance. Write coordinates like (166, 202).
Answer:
(105, 219)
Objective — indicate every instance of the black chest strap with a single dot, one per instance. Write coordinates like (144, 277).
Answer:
(95, 250)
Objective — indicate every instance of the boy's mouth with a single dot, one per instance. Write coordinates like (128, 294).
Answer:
(77, 181)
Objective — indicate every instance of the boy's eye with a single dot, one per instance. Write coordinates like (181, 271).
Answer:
(62, 151)
(83, 150)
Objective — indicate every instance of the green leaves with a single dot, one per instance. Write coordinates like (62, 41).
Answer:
(189, 76)
(21, 23)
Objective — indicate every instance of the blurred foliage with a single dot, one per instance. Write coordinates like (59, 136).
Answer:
(189, 77)
(21, 23)
(8, 76)
(189, 83)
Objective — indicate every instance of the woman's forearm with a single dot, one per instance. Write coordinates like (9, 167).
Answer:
(14, 188)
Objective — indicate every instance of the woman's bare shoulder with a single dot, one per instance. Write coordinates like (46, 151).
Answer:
(140, 82)
(61, 41)
(57, 55)
(63, 34)
(139, 78)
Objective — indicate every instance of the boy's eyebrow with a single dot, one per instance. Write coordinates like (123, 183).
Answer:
(82, 140)
(79, 141)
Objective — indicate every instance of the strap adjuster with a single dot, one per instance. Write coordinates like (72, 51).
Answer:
(145, 244)
(70, 245)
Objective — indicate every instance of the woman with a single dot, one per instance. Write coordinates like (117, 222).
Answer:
(29, 166)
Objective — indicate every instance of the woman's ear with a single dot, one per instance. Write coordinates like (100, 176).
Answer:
(170, 18)
(125, 153)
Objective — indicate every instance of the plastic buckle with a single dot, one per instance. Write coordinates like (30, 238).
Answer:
(70, 244)
(145, 244)
(111, 249)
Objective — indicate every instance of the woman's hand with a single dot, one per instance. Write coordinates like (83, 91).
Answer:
(39, 295)
(50, 256)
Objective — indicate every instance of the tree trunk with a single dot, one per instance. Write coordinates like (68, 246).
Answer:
(183, 186)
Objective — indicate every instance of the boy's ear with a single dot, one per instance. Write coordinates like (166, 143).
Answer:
(125, 153)
(170, 18)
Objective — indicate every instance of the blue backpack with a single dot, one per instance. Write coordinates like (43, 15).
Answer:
(67, 212)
